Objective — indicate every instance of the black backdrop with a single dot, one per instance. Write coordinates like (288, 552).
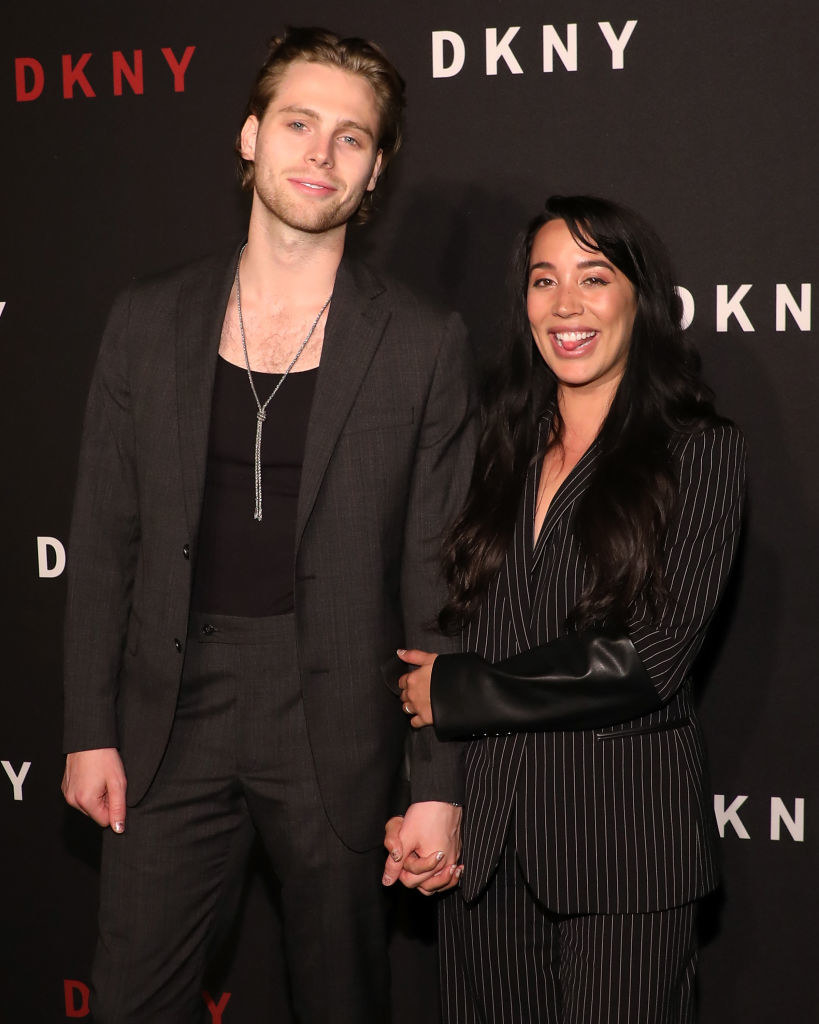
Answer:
(708, 128)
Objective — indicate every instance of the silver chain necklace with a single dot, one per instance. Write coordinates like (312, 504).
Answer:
(261, 409)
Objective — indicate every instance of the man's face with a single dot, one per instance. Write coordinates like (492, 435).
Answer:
(314, 150)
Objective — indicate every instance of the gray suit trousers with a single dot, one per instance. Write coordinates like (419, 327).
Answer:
(238, 751)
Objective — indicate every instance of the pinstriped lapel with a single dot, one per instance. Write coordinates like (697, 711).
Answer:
(567, 494)
(203, 300)
(355, 324)
(519, 566)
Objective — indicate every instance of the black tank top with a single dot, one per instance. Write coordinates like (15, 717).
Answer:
(245, 567)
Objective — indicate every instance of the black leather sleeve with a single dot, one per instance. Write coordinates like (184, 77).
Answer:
(584, 680)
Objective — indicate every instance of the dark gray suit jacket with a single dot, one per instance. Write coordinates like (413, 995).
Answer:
(388, 455)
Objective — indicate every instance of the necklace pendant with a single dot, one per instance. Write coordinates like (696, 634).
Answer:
(261, 409)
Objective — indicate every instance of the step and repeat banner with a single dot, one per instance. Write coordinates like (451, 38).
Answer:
(117, 125)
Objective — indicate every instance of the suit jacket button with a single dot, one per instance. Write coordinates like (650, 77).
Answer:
(177, 644)
(207, 629)
(186, 551)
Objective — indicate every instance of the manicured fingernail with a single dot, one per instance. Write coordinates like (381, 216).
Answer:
(439, 855)
(400, 652)
(386, 880)
(118, 826)
(459, 871)
(396, 855)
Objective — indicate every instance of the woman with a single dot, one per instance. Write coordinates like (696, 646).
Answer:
(595, 543)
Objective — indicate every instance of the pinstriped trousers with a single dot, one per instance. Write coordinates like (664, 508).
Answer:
(506, 959)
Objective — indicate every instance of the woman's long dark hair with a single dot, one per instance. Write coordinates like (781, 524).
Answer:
(621, 519)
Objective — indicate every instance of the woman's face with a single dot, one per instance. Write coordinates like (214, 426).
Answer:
(581, 310)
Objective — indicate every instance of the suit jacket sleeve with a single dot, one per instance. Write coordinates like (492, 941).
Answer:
(578, 681)
(443, 466)
(594, 679)
(699, 551)
(102, 547)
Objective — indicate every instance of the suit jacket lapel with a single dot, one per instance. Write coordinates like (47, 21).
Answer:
(203, 300)
(355, 324)
(519, 560)
(567, 494)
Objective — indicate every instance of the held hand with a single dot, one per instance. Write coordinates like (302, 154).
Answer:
(394, 868)
(94, 782)
(424, 847)
(415, 687)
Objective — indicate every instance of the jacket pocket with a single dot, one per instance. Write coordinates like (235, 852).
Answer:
(363, 421)
(619, 734)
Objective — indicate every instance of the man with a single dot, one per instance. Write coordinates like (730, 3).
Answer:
(249, 547)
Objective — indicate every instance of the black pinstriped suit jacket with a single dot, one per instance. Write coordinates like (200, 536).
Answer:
(617, 819)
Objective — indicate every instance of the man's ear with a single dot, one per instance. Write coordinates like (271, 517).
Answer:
(376, 171)
(250, 130)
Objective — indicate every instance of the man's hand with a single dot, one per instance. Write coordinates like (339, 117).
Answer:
(94, 782)
(424, 847)
(415, 687)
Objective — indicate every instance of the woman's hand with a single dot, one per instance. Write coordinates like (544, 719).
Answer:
(415, 687)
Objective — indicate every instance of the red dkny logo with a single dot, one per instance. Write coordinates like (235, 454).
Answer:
(77, 993)
(216, 1009)
(30, 75)
(76, 998)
